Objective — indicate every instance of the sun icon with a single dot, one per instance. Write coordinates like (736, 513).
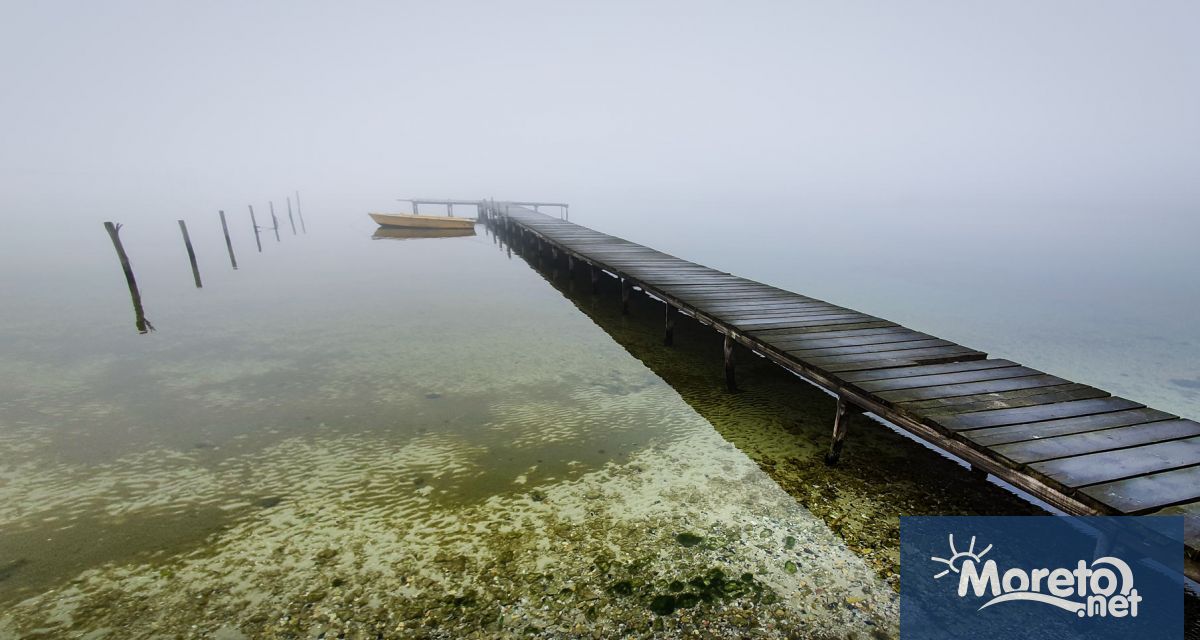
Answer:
(957, 557)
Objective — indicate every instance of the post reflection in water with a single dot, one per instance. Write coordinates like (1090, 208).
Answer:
(139, 315)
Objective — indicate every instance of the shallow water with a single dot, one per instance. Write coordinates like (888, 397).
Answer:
(420, 437)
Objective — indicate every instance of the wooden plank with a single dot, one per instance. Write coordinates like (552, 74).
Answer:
(837, 332)
(838, 369)
(798, 320)
(904, 335)
(848, 324)
(870, 348)
(750, 305)
(907, 354)
(927, 370)
(830, 321)
(1036, 413)
(1071, 391)
(776, 315)
(971, 388)
(1109, 466)
(1078, 444)
(933, 380)
(1065, 426)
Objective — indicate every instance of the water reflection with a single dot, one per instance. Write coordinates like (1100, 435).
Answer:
(397, 233)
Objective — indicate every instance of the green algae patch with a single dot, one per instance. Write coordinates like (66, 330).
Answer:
(688, 539)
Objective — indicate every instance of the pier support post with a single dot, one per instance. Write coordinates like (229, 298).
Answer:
(290, 218)
(841, 421)
(595, 278)
(979, 474)
(730, 378)
(669, 324)
(570, 264)
(624, 296)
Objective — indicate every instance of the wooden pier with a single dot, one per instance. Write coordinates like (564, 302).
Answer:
(1078, 448)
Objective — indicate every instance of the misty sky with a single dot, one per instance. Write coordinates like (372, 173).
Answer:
(950, 104)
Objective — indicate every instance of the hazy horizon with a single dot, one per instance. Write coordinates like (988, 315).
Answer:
(954, 109)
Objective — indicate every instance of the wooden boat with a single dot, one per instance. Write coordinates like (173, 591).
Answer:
(413, 221)
(404, 233)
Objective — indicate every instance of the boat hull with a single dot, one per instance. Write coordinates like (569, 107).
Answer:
(410, 221)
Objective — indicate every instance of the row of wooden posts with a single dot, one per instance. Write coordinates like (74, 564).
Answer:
(143, 325)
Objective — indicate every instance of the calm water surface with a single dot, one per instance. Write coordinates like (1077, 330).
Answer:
(434, 437)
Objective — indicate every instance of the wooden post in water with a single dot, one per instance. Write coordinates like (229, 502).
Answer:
(187, 242)
(139, 316)
(730, 380)
(274, 220)
(841, 422)
(228, 242)
(669, 336)
(301, 214)
(624, 296)
(257, 240)
(595, 278)
(290, 218)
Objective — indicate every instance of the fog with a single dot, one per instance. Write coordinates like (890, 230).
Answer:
(625, 109)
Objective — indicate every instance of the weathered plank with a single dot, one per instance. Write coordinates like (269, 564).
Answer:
(1036, 413)
(889, 363)
(906, 354)
(1077, 444)
(937, 407)
(870, 348)
(1108, 466)
(926, 370)
(903, 335)
(1065, 426)
(971, 388)
(934, 380)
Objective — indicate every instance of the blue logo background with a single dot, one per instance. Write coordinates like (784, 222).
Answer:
(930, 608)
